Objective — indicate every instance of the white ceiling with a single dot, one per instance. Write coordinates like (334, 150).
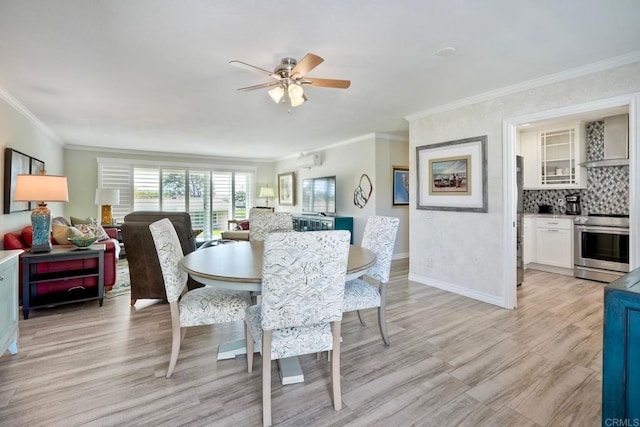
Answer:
(154, 74)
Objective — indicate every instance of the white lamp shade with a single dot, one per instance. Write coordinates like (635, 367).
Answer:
(276, 94)
(295, 91)
(296, 95)
(266, 192)
(107, 196)
(41, 188)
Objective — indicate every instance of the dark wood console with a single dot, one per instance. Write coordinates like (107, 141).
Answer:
(32, 277)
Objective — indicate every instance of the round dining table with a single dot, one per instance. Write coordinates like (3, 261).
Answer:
(238, 266)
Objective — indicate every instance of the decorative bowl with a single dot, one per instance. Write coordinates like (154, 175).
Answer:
(82, 242)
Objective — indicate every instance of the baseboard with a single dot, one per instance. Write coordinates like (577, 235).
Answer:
(401, 255)
(456, 289)
(551, 269)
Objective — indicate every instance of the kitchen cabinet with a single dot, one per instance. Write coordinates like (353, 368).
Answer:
(9, 301)
(554, 242)
(529, 153)
(529, 237)
(552, 157)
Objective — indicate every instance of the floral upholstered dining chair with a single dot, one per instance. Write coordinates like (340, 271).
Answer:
(303, 278)
(379, 237)
(200, 306)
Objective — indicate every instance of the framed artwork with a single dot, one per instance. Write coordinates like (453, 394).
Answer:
(37, 167)
(452, 175)
(287, 189)
(400, 186)
(16, 163)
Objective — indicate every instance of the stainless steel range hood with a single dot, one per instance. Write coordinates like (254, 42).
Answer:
(616, 143)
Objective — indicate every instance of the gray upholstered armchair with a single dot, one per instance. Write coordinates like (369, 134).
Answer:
(144, 268)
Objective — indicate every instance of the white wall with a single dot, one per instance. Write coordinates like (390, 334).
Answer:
(81, 167)
(373, 155)
(391, 153)
(24, 133)
(464, 252)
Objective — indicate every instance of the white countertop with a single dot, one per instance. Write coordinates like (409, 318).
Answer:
(8, 254)
(539, 215)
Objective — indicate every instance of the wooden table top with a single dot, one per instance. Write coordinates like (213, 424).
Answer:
(242, 262)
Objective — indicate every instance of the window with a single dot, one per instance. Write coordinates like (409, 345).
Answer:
(211, 196)
(146, 189)
(117, 176)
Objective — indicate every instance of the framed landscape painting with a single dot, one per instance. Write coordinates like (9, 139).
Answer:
(400, 186)
(452, 175)
(287, 189)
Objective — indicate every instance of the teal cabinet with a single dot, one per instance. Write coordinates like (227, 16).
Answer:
(319, 223)
(9, 301)
(621, 352)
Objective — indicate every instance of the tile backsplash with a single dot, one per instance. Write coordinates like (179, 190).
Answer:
(607, 187)
(533, 198)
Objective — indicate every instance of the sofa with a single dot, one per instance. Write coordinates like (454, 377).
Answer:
(22, 239)
(240, 229)
(144, 267)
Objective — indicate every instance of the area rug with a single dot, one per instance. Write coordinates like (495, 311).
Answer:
(122, 285)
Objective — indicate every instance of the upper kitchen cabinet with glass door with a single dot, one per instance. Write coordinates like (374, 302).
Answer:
(562, 151)
(553, 157)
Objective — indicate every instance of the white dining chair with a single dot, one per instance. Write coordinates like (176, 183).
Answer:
(379, 237)
(200, 306)
(269, 222)
(303, 278)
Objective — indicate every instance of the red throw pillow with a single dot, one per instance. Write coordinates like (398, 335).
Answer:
(27, 235)
(243, 225)
(12, 241)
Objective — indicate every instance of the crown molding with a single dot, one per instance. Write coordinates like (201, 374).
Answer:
(366, 136)
(163, 154)
(595, 67)
(16, 105)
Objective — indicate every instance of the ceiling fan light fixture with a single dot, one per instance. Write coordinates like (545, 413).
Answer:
(296, 94)
(298, 100)
(290, 76)
(276, 94)
(295, 91)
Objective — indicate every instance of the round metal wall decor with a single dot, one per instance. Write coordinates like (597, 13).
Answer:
(363, 191)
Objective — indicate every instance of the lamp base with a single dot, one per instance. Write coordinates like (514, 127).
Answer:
(41, 223)
(107, 215)
(42, 248)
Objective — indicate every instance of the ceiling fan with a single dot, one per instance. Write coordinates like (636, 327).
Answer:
(289, 77)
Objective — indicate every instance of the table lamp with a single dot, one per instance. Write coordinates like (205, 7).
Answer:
(41, 188)
(267, 193)
(106, 197)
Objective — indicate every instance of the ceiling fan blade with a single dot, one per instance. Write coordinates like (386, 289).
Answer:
(261, 86)
(306, 64)
(338, 84)
(250, 67)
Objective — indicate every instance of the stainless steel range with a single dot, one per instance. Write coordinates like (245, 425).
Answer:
(601, 247)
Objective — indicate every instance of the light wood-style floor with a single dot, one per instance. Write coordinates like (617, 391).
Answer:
(452, 361)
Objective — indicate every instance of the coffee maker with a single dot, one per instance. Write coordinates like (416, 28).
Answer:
(572, 203)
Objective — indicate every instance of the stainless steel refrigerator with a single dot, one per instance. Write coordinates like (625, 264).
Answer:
(519, 221)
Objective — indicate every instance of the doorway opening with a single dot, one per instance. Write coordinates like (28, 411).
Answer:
(583, 112)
